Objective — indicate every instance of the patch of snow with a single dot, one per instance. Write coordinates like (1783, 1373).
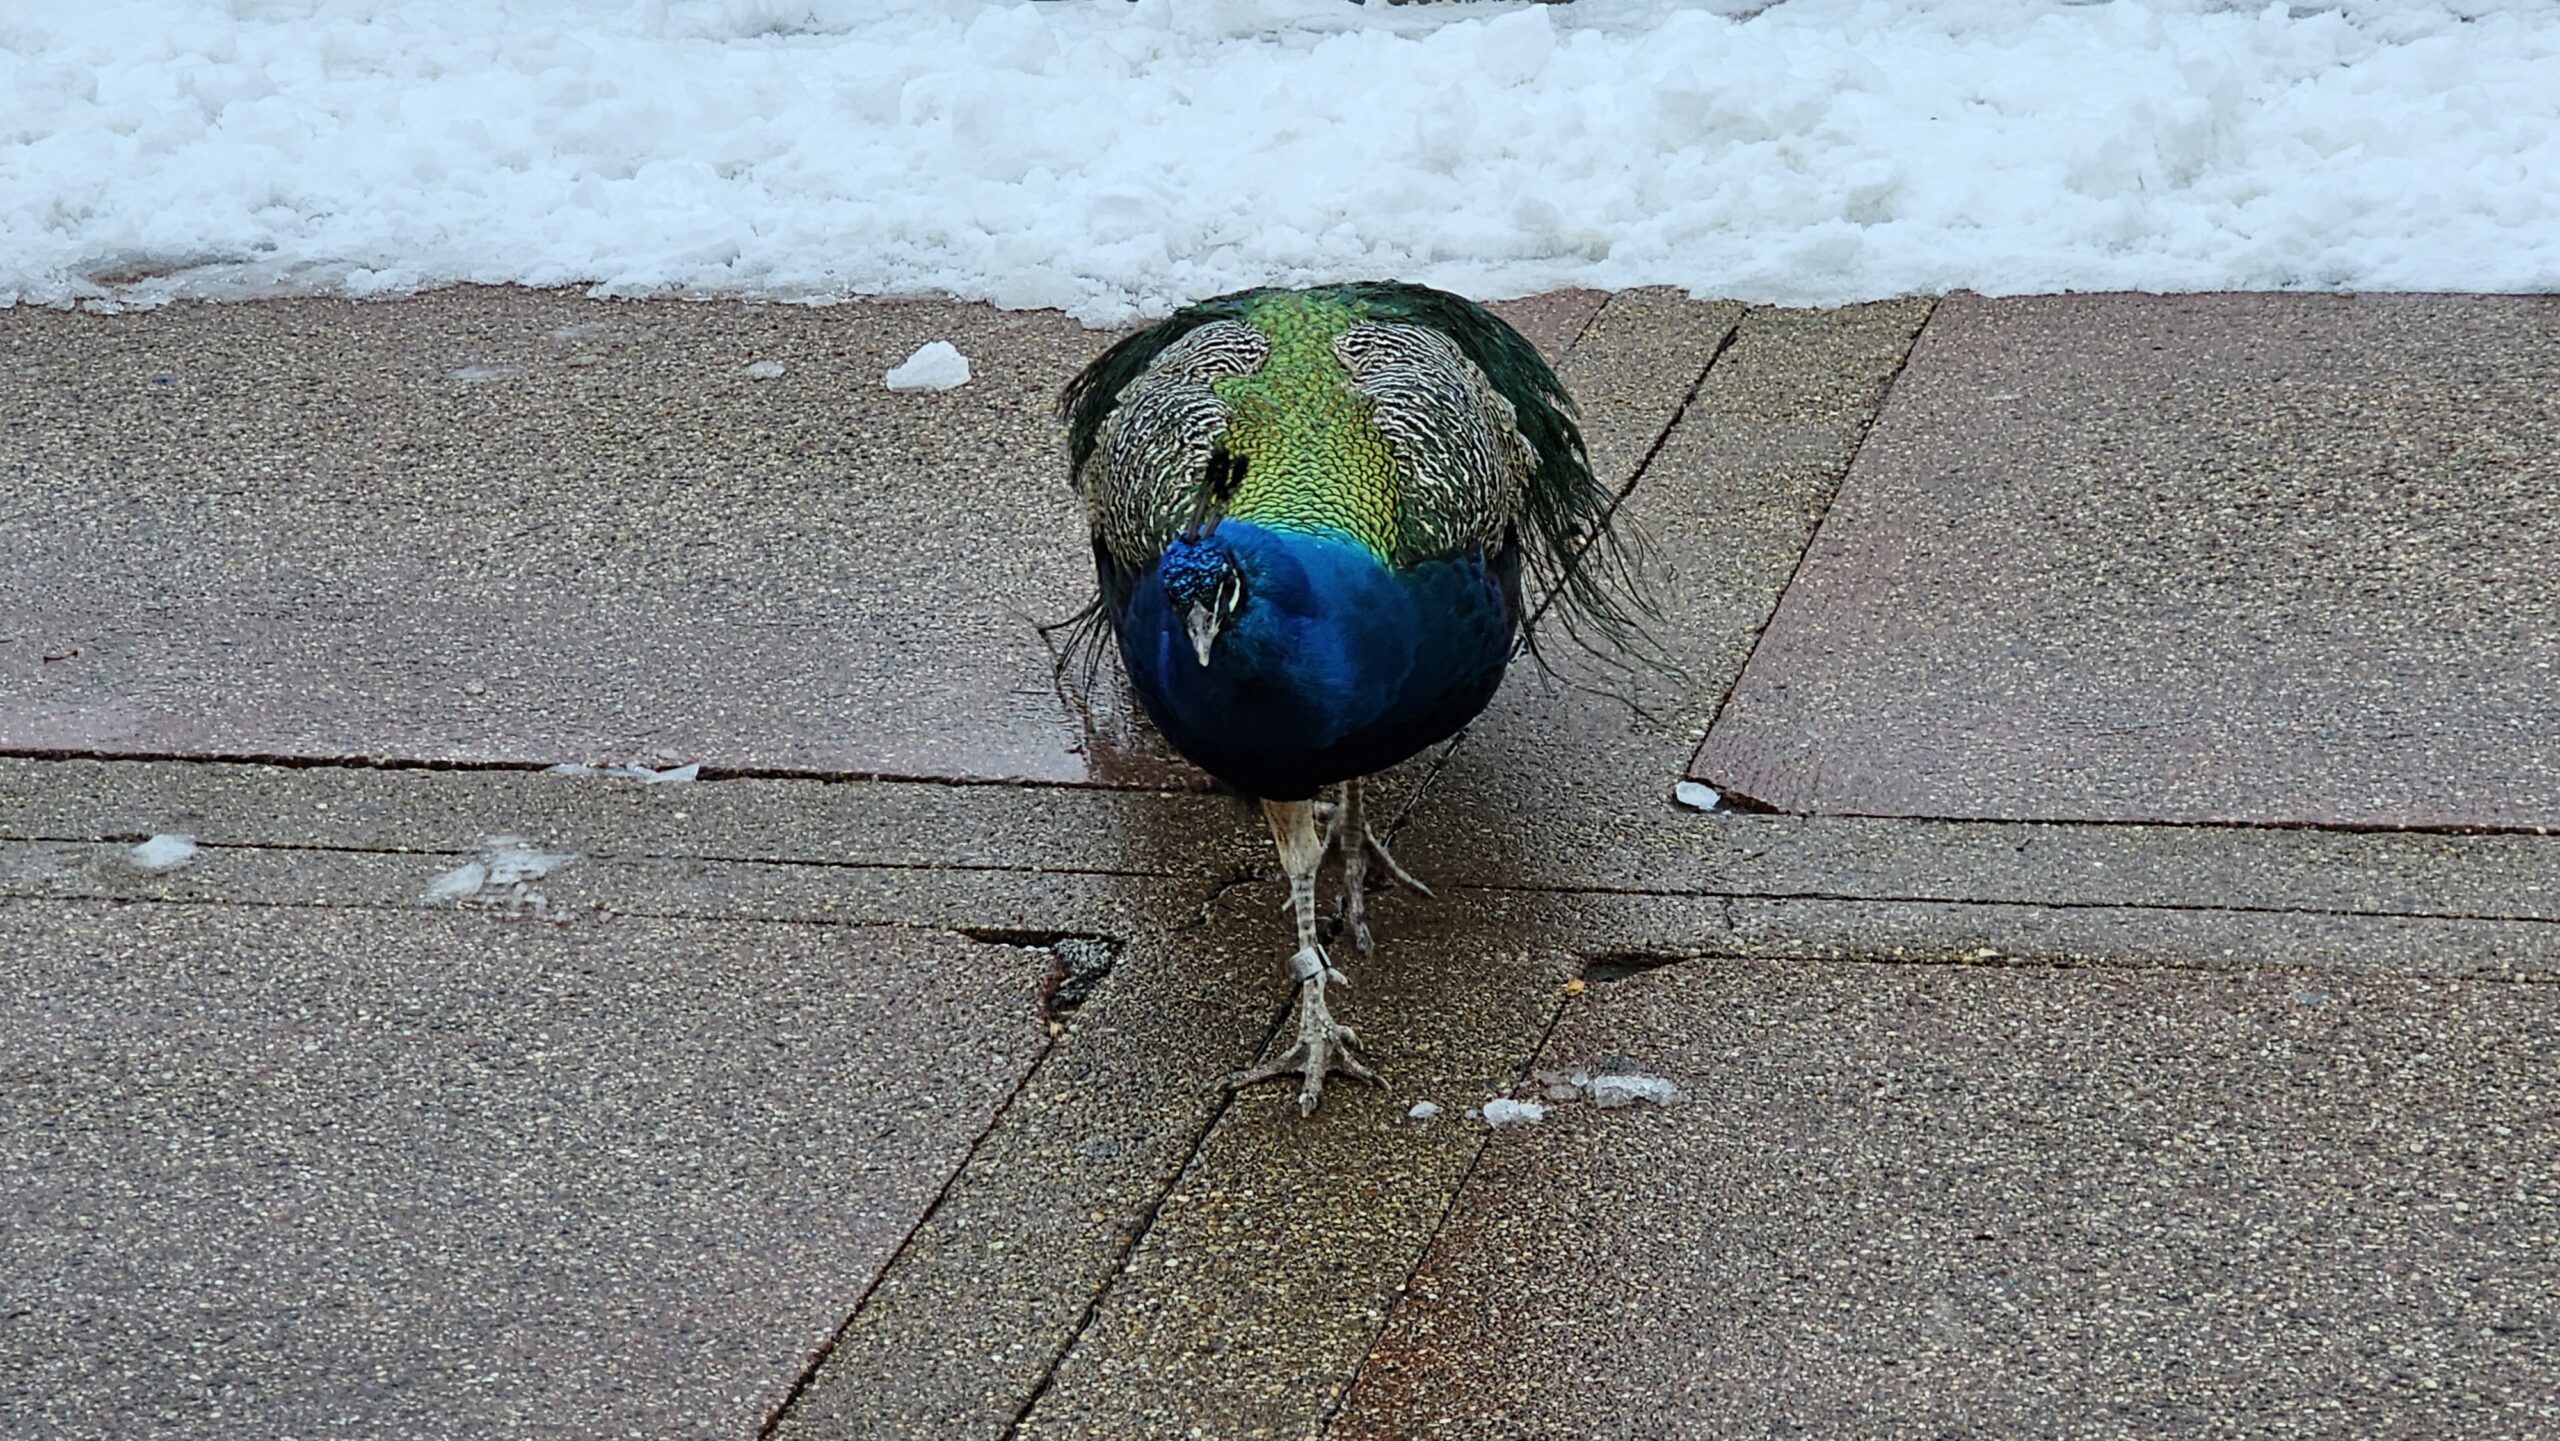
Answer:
(1502, 1112)
(1561, 1085)
(460, 883)
(1611, 1092)
(502, 876)
(937, 365)
(1608, 1090)
(1115, 159)
(642, 774)
(1696, 797)
(164, 852)
(510, 860)
(766, 370)
(1422, 1111)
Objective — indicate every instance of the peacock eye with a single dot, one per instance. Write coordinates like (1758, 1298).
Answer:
(1230, 594)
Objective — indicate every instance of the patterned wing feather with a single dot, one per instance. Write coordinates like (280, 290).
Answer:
(1485, 439)
(1462, 465)
(1579, 561)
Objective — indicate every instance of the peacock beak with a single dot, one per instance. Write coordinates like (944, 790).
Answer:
(1202, 622)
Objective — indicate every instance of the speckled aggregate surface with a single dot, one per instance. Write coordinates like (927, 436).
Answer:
(320, 1171)
(1933, 1201)
(2083, 1128)
(2270, 559)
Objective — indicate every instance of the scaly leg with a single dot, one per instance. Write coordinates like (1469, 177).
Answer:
(1324, 1045)
(1351, 826)
(1355, 867)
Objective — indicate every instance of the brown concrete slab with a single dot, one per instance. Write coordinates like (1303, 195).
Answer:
(963, 1330)
(1566, 783)
(508, 525)
(1274, 1258)
(1606, 925)
(1552, 321)
(2265, 559)
(283, 1171)
(1048, 829)
(586, 887)
(1906, 1201)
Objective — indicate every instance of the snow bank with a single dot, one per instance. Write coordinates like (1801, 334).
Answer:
(1114, 158)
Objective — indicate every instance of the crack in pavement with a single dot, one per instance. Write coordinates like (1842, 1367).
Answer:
(709, 774)
(1921, 899)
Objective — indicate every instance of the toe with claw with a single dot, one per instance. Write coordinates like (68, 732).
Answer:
(1324, 1046)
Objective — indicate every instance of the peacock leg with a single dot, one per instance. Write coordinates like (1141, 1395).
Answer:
(1358, 844)
(1355, 867)
(1324, 1045)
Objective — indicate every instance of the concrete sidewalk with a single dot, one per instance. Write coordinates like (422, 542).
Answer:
(2116, 999)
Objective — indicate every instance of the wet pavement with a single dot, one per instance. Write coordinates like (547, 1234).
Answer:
(2077, 1047)
(1961, 1200)
(307, 1170)
(2189, 558)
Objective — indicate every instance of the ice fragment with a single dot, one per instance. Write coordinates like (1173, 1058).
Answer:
(165, 852)
(935, 366)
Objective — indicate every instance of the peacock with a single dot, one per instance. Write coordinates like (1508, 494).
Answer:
(1311, 512)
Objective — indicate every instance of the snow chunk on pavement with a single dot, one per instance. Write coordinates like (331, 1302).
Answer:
(460, 883)
(1696, 797)
(164, 852)
(767, 370)
(1501, 1112)
(937, 366)
(1611, 1092)
(510, 860)
(503, 875)
(643, 774)
(1422, 1111)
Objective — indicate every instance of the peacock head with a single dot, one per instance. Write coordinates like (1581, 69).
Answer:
(1205, 582)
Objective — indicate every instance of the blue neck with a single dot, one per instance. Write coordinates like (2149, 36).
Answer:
(1334, 666)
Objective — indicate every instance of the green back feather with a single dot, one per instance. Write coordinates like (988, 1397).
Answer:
(1563, 522)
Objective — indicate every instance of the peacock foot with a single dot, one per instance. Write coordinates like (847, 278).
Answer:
(1324, 1045)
